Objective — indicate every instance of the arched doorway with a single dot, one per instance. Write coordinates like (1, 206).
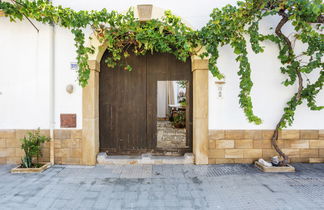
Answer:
(90, 103)
(128, 103)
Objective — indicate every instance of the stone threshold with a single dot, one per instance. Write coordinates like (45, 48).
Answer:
(104, 159)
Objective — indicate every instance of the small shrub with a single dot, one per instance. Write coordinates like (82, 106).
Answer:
(31, 144)
(179, 119)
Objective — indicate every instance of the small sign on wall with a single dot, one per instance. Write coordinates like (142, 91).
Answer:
(68, 120)
(74, 66)
(220, 86)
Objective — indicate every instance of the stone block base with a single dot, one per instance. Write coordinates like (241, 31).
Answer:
(247, 146)
(67, 146)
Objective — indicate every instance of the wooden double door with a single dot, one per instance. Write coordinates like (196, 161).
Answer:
(128, 102)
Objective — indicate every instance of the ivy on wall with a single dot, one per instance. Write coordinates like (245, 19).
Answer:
(236, 26)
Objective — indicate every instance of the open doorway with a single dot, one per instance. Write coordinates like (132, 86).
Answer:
(172, 114)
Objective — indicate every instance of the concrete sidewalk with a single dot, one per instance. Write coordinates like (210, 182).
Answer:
(163, 187)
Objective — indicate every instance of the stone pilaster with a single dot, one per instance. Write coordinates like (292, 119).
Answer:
(90, 112)
(200, 110)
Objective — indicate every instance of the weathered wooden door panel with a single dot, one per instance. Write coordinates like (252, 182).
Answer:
(157, 69)
(123, 107)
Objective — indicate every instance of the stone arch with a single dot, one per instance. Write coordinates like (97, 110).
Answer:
(90, 98)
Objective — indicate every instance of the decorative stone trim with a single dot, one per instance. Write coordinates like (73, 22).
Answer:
(94, 65)
(90, 138)
(246, 146)
(200, 110)
(199, 64)
(144, 12)
(90, 114)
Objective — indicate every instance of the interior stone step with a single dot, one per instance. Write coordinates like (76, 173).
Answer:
(104, 159)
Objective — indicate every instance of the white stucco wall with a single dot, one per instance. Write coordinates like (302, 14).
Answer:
(24, 67)
(24, 63)
(66, 103)
(269, 95)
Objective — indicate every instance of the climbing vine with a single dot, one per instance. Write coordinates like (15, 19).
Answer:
(237, 26)
(123, 33)
(168, 35)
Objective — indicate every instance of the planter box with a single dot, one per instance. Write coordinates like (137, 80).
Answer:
(31, 170)
(274, 169)
(2, 14)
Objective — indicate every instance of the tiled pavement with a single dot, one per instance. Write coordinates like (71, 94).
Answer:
(163, 187)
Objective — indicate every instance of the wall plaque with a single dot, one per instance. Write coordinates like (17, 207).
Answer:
(68, 120)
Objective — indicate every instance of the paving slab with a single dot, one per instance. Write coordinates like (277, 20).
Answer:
(163, 187)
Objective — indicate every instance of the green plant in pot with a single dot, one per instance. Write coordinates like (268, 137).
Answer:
(183, 102)
(31, 144)
(179, 119)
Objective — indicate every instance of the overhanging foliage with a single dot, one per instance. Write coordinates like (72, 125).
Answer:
(119, 31)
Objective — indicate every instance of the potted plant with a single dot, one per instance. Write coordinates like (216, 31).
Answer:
(179, 119)
(183, 102)
(31, 144)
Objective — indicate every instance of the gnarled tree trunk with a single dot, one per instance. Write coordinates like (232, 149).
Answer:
(275, 136)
